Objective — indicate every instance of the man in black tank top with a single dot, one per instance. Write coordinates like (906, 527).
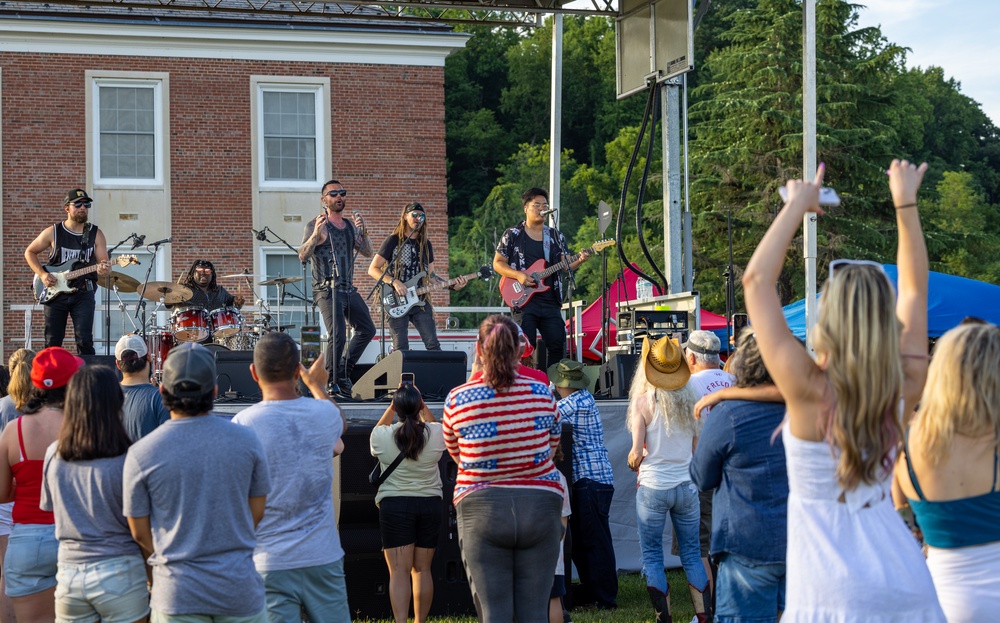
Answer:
(77, 244)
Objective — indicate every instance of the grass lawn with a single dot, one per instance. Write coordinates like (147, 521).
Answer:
(633, 604)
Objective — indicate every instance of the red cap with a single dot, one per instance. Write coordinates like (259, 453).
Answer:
(529, 348)
(53, 367)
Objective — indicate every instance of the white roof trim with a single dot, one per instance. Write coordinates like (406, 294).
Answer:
(238, 42)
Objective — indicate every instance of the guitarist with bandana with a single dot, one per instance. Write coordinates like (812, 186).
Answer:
(77, 243)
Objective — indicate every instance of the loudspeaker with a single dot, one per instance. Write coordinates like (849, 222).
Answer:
(233, 370)
(436, 372)
(616, 376)
(107, 361)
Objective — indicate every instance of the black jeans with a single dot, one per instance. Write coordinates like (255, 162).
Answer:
(79, 306)
(351, 309)
(593, 548)
(544, 318)
(422, 318)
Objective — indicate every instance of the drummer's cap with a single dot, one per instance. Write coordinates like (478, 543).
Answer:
(77, 194)
(130, 347)
(192, 364)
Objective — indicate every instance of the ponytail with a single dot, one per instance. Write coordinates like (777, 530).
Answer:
(499, 347)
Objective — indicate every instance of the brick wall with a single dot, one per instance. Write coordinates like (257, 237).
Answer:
(388, 149)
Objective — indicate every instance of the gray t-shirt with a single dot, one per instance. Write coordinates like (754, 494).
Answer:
(8, 412)
(86, 498)
(192, 477)
(299, 529)
(143, 410)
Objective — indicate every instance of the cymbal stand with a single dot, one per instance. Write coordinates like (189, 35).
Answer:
(122, 307)
(141, 306)
(107, 303)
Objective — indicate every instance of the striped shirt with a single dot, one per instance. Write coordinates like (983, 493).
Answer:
(502, 438)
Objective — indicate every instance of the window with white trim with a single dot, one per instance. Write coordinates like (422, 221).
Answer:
(294, 307)
(128, 131)
(290, 132)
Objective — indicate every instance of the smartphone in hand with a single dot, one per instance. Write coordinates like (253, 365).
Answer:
(827, 196)
(406, 378)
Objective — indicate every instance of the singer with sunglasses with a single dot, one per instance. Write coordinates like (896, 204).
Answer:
(72, 244)
(520, 247)
(335, 241)
(409, 250)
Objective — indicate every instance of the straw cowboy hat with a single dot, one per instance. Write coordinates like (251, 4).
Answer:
(568, 373)
(664, 364)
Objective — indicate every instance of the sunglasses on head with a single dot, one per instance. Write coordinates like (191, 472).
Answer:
(835, 265)
(334, 193)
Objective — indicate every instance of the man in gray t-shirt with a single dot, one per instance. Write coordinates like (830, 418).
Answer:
(298, 549)
(194, 490)
(143, 409)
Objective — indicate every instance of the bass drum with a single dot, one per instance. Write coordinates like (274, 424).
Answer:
(159, 342)
(244, 340)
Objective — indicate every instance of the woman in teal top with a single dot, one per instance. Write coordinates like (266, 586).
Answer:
(950, 471)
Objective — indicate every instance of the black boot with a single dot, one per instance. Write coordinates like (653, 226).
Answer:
(661, 605)
(344, 380)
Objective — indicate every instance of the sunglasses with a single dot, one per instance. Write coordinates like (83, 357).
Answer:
(82, 204)
(835, 265)
(335, 193)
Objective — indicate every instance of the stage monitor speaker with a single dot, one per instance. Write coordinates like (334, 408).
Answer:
(435, 372)
(616, 376)
(107, 361)
(233, 370)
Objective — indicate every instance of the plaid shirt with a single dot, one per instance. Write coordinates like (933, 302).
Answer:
(590, 456)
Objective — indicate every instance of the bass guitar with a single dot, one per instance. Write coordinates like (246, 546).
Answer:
(515, 294)
(397, 306)
(45, 294)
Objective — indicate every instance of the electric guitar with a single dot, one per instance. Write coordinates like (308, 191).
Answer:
(397, 306)
(44, 294)
(515, 294)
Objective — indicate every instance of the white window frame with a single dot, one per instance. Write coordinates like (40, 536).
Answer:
(320, 88)
(158, 132)
(290, 305)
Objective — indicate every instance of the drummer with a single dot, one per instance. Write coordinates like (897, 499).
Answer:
(206, 292)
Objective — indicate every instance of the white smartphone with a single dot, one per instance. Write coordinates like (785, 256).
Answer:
(827, 196)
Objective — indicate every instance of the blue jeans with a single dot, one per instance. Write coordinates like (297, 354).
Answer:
(747, 591)
(422, 318)
(593, 548)
(112, 589)
(651, 509)
(320, 590)
(510, 539)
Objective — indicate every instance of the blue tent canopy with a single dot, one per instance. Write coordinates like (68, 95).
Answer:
(949, 300)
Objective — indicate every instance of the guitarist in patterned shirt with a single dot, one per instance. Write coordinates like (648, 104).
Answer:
(519, 248)
(76, 243)
(408, 252)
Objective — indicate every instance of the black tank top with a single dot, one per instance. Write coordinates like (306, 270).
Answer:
(71, 247)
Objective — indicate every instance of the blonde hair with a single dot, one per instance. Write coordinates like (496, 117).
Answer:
(858, 333)
(20, 377)
(962, 395)
(676, 406)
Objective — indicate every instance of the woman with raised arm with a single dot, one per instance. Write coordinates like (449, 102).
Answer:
(850, 556)
(409, 499)
(950, 472)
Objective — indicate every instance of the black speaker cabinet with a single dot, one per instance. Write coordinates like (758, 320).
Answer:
(233, 370)
(435, 372)
(107, 361)
(616, 376)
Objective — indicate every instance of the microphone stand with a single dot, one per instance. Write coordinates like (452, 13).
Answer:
(141, 305)
(107, 301)
(381, 282)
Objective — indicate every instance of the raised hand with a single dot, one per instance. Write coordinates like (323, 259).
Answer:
(904, 181)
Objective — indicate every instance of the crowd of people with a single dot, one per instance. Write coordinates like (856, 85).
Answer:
(780, 475)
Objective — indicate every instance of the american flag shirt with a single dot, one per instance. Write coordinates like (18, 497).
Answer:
(502, 437)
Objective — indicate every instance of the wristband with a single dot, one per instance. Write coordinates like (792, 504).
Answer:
(908, 205)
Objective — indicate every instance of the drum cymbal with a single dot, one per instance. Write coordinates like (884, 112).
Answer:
(238, 275)
(277, 280)
(172, 293)
(124, 282)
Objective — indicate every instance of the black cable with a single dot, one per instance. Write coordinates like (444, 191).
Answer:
(642, 194)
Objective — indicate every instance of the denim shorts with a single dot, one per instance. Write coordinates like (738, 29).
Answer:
(112, 590)
(410, 521)
(747, 591)
(30, 565)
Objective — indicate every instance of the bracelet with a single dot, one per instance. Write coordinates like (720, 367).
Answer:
(908, 205)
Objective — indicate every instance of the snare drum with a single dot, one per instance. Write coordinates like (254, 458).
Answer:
(225, 321)
(244, 340)
(190, 324)
(159, 342)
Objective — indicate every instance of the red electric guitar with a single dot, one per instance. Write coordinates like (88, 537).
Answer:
(516, 295)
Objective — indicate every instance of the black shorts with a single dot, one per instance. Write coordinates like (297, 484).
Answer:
(410, 521)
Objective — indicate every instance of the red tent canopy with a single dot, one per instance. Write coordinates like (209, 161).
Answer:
(623, 290)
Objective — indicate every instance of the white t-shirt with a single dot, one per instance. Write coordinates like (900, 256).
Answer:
(418, 479)
(709, 381)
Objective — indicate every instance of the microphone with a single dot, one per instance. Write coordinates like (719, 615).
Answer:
(548, 211)
(159, 242)
(137, 241)
(260, 235)
(357, 215)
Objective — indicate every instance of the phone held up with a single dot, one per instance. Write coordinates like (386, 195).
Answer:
(406, 378)
(827, 196)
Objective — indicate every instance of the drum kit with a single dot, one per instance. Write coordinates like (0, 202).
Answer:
(226, 326)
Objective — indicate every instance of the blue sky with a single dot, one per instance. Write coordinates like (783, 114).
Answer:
(960, 36)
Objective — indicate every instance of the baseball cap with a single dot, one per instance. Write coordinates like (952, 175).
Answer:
(77, 194)
(411, 207)
(703, 343)
(133, 343)
(53, 367)
(189, 363)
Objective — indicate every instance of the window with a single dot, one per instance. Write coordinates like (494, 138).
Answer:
(128, 131)
(292, 135)
(282, 263)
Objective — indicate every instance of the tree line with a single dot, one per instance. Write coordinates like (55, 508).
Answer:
(745, 139)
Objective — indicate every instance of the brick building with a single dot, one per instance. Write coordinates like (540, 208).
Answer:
(200, 129)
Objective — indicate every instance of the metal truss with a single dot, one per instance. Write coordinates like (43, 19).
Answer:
(518, 13)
